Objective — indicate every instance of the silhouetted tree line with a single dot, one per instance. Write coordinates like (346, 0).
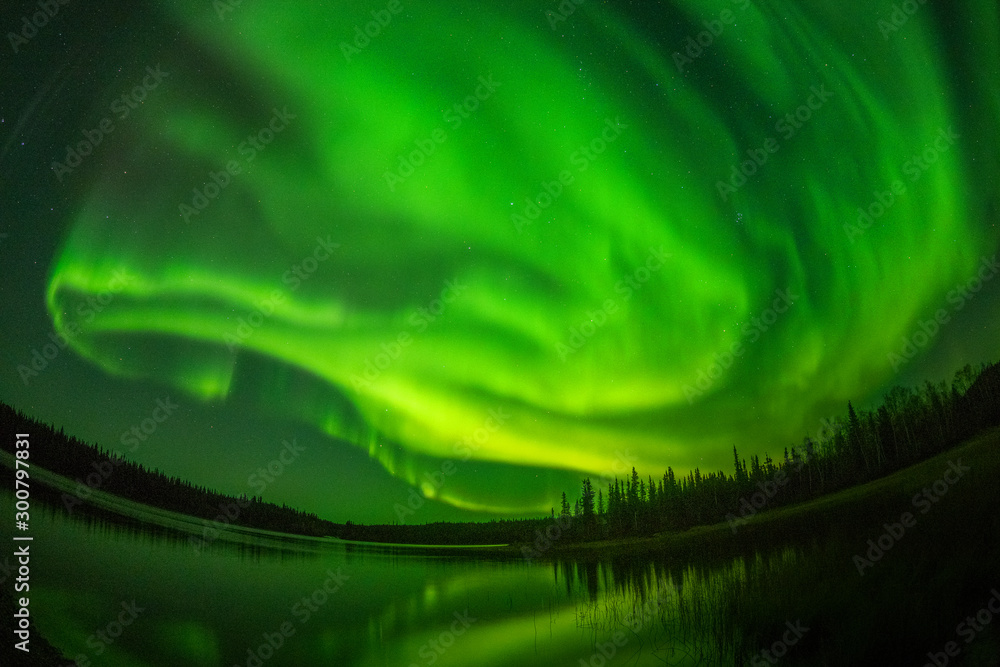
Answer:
(910, 425)
(94, 468)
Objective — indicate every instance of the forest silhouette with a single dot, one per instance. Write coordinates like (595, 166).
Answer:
(911, 425)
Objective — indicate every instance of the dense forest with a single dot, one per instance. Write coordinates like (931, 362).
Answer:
(909, 426)
(94, 468)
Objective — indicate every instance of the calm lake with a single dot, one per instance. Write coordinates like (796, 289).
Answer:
(113, 593)
(117, 583)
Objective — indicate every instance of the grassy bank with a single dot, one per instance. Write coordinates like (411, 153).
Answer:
(813, 564)
(836, 515)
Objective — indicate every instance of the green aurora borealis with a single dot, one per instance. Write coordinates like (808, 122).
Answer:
(425, 317)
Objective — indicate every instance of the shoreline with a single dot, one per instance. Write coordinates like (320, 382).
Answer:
(777, 527)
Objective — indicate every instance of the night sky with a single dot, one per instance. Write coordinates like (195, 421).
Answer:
(488, 251)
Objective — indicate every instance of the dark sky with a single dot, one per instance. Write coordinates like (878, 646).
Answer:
(480, 253)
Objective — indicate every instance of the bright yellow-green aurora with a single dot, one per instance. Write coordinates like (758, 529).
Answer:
(530, 242)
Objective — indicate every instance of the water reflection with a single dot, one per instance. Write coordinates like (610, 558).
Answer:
(277, 600)
(253, 598)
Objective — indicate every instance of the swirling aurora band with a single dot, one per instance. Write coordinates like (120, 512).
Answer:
(378, 268)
